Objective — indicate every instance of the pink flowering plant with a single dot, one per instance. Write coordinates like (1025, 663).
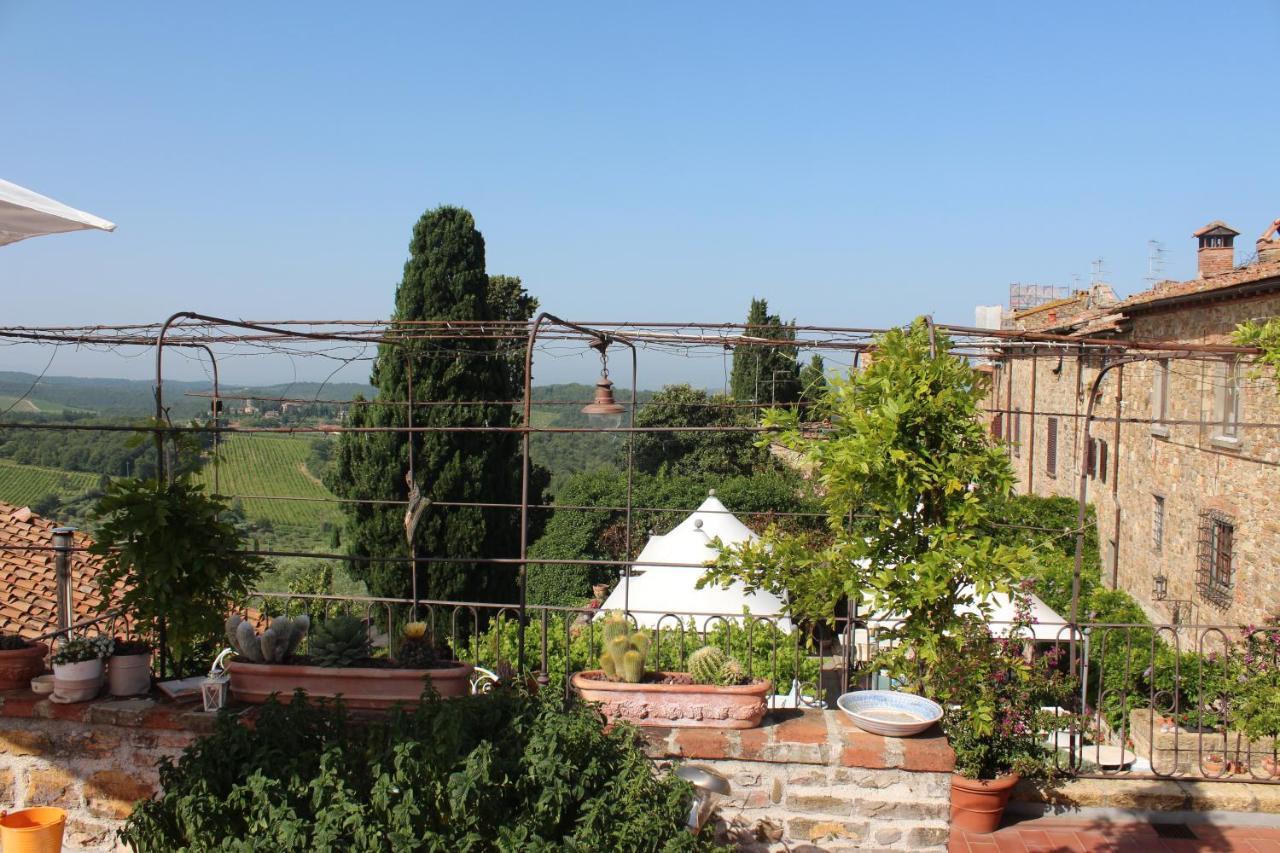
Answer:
(993, 688)
(1255, 694)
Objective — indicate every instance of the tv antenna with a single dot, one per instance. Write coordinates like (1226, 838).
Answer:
(1156, 253)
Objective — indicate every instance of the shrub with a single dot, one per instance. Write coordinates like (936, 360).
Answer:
(501, 771)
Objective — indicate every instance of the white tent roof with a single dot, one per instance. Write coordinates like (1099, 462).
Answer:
(24, 214)
(656, 590)
(1046, 624)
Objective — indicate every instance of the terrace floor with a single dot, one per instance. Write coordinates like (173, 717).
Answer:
(1061, 835)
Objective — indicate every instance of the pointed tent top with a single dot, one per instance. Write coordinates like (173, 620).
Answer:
(715, 520)
(24, 214)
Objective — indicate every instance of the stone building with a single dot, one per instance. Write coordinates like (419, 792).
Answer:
(1182, 462)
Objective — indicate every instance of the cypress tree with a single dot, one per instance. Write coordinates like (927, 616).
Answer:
(763, 373)
(444, 279)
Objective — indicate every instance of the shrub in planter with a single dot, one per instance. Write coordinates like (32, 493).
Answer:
(77, 667)
(129, 668)
(504, 771)
(20, 661)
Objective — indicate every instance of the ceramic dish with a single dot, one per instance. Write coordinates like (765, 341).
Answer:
(42, 684)
(889, 712)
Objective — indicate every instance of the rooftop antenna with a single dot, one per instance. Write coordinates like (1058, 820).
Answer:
(1155, 261)
(1099, 272)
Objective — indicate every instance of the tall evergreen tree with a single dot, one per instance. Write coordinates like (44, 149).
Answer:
(813, 382)
(444, 279)
(764, 373)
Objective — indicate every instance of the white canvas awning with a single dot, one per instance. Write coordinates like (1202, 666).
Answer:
(24, 214)
(1046, 624)
(656, 590)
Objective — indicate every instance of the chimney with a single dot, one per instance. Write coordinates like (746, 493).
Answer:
(1216, 253)
(1269, 243)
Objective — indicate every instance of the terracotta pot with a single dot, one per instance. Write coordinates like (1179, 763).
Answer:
(19, 666)
(741, 706)
(359, 687)
(1270, 766)
(1212, 765)
(129, 675)
(978, 804)
(77, 682)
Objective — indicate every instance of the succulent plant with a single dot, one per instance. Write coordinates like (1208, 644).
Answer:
(274, 645)
(624, 650)
(11, 643)
(416, 651)
(340, 641)
(708, 665)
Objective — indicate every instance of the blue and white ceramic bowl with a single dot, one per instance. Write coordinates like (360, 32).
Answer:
(890, 713)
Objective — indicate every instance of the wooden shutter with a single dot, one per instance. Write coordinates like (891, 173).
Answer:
(1051, 447)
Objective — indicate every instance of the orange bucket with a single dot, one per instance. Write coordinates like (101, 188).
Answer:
(37, 830)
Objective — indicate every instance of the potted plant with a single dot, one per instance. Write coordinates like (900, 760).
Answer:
(339, 663)
(1256, 693)
(20, 661)
(714, 693)
(994, 693)
(174, 561)
(77, 668)
(129, 668)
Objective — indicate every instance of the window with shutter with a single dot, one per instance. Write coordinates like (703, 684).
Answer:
(997, 426)
(1102, 460)
(1216, 558)
(1017, 432)
(1051, 447)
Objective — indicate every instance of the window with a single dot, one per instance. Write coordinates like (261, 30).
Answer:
(1217, 552)
(1157, 523)
(1227, 400)
(1017, 432)
(1102, 460)
(1095, 459)
(1051, 447)
(1160, 396)
(997, 426)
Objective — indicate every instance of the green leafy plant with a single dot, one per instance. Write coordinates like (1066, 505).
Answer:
(123, 647)
(81, 649)
(274, 645)
(171, 560)
(624, 650)
(340, 641)
(416, 651)
(500, 772)
(1256, 688)
(12, 642)
(709, 665)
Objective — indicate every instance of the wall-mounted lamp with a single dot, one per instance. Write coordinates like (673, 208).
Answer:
(1160, 591)
(708, 788)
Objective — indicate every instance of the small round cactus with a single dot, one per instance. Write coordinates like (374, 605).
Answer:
(706, 665)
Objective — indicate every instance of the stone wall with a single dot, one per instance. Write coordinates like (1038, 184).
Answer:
(813, 781)
(95, 760)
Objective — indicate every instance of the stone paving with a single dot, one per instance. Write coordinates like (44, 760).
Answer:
(1059, 835)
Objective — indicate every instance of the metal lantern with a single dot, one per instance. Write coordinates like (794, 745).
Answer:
(708, 788)
(215, 687)
(1161, 589)
(604, 409)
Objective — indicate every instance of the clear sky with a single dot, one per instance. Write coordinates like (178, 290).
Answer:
(855, 163)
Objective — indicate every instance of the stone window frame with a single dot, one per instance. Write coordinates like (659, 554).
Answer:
(1160, 398)
(1158, 517)
(1226, 405)
(1216, 557)
(1017, 432)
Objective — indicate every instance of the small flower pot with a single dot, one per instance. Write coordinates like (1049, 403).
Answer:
(1212, 765)
(19, 666)
(653, 703)
(977, 805)
(77, 682)
(1270, 766)
(129, 675)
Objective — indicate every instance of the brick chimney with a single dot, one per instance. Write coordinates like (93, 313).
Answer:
(1217, 253)
(1269, 243)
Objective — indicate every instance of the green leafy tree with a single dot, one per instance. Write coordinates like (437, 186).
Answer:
(700, 453)
(905, 448)
(813, 383)
(444, 279)
(761, 372)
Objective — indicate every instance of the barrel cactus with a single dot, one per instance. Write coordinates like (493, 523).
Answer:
(340, 641)
(624, 650)
(274, 645)
(708, 665)
(416, 650)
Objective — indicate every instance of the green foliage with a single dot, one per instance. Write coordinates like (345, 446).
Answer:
(1265, 336)
(764, 373)
(276, 644)
(340, 641)
(81, 649)
(1255, 665)
(273, 466)
(721, 454)
(12, 642)
(175, 558)
(624, 651)
(501, 772)
(813, 383)
(601, 535)
(905, 447)
(42, 489)
(709, 665)
(444, 279)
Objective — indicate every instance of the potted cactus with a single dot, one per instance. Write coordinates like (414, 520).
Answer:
(20, 661)
(77, 668)
(714, 693)
(129, 668)
(340, 662)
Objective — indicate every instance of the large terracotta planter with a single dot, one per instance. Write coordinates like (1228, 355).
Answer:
(359, 687)
(741, 706)
(978, 804)
(19, 666)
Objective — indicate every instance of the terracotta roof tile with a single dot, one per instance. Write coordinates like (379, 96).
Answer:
(27, 579)
(1240, 275)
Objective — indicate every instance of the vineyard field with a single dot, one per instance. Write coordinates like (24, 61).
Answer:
(270, 465)
(22, 485)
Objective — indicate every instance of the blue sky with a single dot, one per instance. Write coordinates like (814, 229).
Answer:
(856, 164)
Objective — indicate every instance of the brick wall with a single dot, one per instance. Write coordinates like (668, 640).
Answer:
(812, 778)
(92, 759)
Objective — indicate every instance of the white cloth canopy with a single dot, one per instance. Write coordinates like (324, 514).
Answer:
(1046, 624)
(657, 589)
(24, 214)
